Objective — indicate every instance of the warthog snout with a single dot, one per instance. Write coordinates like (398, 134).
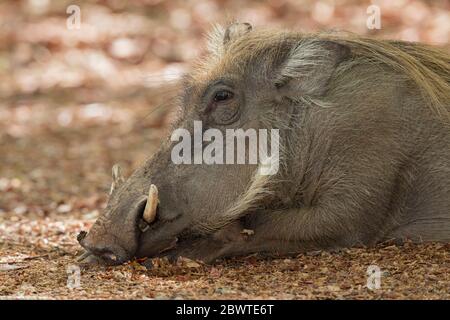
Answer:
(103, 245)
(101, 252)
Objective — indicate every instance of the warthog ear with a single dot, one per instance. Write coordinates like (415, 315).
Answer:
(219, 37)
(309, 66)
(117, 178)
(236, 30)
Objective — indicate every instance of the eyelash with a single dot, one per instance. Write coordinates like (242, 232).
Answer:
(228, 95)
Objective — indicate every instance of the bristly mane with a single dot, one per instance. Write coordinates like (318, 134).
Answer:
(427, 66)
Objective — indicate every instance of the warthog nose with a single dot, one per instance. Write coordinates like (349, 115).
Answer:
(105, 254)
(98, 250)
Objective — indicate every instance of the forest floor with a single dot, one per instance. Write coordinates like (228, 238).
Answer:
(74, 103)
(37, 261)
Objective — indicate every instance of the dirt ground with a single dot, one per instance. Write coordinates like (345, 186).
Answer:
(74, 103)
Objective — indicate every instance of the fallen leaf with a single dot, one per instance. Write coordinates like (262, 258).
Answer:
(9, 267)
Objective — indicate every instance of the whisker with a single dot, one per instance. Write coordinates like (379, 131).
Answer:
(165, 104)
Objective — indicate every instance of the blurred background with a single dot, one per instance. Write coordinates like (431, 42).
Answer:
(78, 95)
(74, 101)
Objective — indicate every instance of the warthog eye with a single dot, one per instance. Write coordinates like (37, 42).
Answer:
(223, 106)
(223, 95)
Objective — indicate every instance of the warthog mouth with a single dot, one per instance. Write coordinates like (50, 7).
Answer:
(146, 213)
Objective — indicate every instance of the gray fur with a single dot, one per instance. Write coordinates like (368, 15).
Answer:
(365, 152)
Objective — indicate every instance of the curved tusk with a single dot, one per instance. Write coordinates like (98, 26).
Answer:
(117, 177)
(83, 256)
(92, 260)
(152, 203)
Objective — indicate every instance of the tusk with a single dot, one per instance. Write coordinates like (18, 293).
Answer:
(117, 177)
(90, 260)
(152, 202)
(83, 256)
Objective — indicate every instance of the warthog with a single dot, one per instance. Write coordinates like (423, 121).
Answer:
(364, 141)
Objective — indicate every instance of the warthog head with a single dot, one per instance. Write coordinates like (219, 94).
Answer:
(245, 82)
